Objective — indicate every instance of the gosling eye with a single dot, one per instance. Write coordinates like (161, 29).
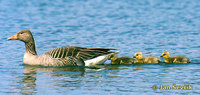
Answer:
(111, 56)
(136, 55)
(164, 54)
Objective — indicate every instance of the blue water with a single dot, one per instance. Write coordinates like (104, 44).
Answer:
(150, 26)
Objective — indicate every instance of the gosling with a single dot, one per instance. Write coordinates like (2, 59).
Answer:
(174, 59)
(148, 59)
(121, 60)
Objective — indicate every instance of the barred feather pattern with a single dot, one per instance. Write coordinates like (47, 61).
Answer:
(72, 60)
(75, 55)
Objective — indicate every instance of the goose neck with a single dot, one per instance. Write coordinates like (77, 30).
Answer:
(30, 47)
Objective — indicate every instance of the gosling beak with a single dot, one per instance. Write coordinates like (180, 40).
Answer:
(134, 56)
(161, 56)
(14, 37)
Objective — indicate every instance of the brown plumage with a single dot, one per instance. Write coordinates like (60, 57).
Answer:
(121, 60)
(148, 59)
(62, 56)
(174, 59)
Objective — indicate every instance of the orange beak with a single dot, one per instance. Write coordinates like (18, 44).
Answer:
(14, 37)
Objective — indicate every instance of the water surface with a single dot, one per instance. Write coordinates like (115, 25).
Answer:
(149, 26)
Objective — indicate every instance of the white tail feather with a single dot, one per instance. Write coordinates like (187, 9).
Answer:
(98, 60)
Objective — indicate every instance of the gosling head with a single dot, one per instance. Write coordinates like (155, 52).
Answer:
(23, 35)
(113, 57)
(165, 55)
(138, 55)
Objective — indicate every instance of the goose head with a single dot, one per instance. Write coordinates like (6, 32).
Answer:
(165, 55)
(23, 35)
(138, 55)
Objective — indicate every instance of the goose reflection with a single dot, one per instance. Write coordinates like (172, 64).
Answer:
(31, 73)
(28, 80)
(37, 77)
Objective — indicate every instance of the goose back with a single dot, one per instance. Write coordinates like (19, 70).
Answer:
(179, 59)
(151, 59)
(74, 55)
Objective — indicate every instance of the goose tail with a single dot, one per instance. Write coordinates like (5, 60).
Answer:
(99, 60)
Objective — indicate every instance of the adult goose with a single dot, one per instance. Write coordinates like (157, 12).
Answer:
(62, 56)
(148, 59)
(174, 59)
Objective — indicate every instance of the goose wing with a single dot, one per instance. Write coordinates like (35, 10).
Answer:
(78, 52)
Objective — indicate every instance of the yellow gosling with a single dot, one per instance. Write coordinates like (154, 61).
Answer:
(174, 59)
(148, 59)
(121, 60)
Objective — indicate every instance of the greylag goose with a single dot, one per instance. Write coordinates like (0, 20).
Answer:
(148, 59)
(174, 59)
(62, 56)
(121, 60)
